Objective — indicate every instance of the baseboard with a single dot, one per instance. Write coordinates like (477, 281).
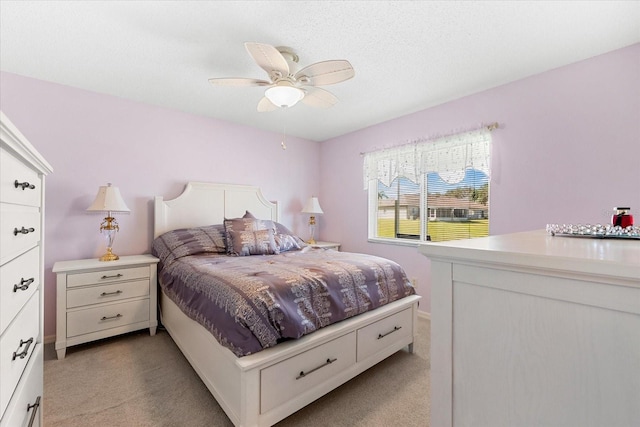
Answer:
(424, 315)
(49, 339)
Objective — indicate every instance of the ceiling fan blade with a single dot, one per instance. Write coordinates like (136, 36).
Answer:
(316, 97)
(265, 105)
(238, 81)
(325, 73)
(268, 58)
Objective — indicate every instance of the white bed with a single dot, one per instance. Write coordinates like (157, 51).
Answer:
(264, 388)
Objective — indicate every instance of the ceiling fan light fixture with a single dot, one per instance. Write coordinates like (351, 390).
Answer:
(284, 96)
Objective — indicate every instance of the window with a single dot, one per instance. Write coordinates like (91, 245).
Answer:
(430, 191)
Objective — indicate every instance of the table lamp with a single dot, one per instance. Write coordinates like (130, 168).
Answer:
(109, 200)
(312, 207)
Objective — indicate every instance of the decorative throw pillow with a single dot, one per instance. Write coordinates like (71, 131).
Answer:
(176, 244)
(285, 239)
(259, 242)
(288, 242)
(241, 241)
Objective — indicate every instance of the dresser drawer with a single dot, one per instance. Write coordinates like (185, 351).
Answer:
(107, 276)
(114, 292)
(106, 317)
(12, 170)
(384, 332)
(19, 279)
(16, 346)
(284, 381)
(19, 229)
(24, 402)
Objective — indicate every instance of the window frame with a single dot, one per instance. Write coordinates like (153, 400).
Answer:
(414, 161)
(373, 221)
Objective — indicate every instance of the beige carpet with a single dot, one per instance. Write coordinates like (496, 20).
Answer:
(139, 380)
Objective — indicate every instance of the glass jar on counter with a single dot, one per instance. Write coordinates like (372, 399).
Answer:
(622, 217)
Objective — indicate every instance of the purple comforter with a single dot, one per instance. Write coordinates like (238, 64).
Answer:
(254, 302)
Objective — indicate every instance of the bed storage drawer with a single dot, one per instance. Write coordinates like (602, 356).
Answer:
(107, 293)
(107, 276)
(298, 374)
(381, 334)
(107, 316)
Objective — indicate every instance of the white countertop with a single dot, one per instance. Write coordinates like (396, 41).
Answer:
(538, 249)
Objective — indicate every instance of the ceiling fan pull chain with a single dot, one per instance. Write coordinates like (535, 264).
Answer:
(284, 133)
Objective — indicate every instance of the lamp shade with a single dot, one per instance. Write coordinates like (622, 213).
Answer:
(284, 95)
(312, 206)
(108, 199)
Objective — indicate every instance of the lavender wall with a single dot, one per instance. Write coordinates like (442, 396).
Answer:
(567, 151)
(91, 139)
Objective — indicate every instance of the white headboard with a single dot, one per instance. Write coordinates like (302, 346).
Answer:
(204, 203)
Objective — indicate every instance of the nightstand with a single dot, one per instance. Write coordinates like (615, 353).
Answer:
(100, 299)
(326, 245)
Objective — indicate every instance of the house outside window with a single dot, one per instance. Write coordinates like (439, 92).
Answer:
(430, 191)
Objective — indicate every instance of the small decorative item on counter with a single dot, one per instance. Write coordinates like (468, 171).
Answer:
(622, 217)
(594, 231)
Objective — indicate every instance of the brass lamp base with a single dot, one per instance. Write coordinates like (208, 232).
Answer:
(109, 256)
(311, 242)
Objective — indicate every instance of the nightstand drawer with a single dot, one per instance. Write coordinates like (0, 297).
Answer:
(16, 346)
(106, 317)
(107, 276)
(19, 280)
(107, 293)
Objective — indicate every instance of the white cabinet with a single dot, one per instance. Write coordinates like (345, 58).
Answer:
(529, 329)
(99, 299)
(22, 181)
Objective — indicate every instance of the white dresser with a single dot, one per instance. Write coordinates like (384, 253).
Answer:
(533, 330)
(22, 172)
(100, 299)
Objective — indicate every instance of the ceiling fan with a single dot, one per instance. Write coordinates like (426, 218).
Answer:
(286, 85)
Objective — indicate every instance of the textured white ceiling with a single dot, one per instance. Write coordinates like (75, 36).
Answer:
(407, 55)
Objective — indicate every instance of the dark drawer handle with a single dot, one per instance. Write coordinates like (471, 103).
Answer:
(117, 316)
(395, 328)
(24, 284)
(115, 276)
(304, 374)
(24, 185)
(23, 231)
(35, 408)
(26, 350)
(110, 294)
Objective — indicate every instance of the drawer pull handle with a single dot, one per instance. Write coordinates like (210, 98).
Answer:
(395, 328)
(114, 276)
(23, 231)
(24, 185)
(117, 316)
(26, 350)
(304, 374)
(24, 284)
(110, 294)
(35, 408)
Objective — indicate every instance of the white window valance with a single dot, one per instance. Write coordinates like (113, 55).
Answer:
(448, 156)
